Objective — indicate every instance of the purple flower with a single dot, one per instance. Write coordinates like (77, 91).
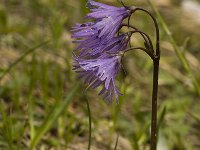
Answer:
(102, 64)
(91, 36)
(98, 71)
(107, 21)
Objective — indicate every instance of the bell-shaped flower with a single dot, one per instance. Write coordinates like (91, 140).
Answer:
(100, 71)
(92, 36)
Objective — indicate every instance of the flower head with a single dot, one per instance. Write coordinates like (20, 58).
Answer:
(92, 36)
(100, 71)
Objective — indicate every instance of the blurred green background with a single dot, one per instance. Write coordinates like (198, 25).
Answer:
(43, 105)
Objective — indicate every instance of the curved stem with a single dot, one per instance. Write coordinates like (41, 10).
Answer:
(156, 27)
(143, 34)
(140, 48)
(90, 124)
(136, 31)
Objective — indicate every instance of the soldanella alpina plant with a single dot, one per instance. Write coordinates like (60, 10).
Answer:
(101, 46)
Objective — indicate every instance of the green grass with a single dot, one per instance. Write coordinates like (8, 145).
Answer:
(43, 106)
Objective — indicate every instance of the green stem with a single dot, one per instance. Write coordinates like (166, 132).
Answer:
(90, 124)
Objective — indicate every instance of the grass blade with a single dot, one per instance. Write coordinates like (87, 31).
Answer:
(52, 117)
(21, 58)
(116, 142)
(6, 129)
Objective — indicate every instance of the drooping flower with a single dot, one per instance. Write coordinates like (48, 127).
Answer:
(100, 71)
(107, 20)
(91, 36)
(103, 69)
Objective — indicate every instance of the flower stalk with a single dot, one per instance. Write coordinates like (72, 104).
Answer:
(156, 61)
(154, 104)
